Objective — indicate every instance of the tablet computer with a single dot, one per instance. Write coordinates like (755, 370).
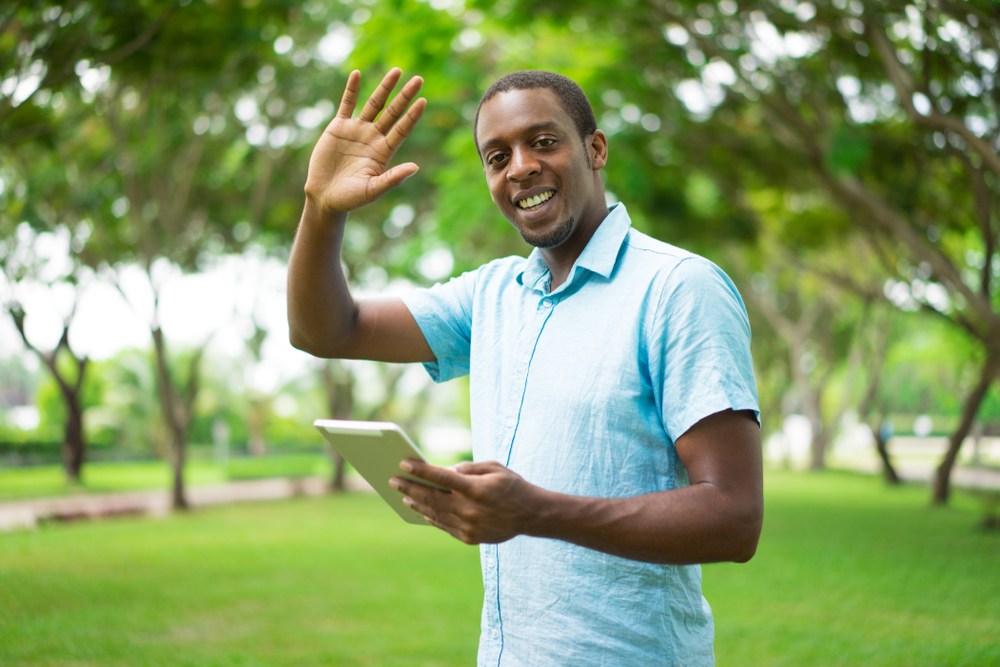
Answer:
(375, 450)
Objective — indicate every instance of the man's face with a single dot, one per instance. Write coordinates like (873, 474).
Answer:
(541, 174)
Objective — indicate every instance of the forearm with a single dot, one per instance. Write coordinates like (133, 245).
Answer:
(321, 310)
(696, 524)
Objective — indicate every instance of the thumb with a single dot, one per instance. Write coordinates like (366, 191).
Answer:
(390, 179)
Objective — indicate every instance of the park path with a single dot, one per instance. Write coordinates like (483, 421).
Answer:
(28, 513)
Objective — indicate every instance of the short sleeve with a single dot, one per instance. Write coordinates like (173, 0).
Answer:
(444, 314)
(699, 347)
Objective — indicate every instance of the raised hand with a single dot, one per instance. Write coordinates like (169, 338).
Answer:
(349, 164)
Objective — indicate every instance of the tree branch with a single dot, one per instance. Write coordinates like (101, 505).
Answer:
(934, 119)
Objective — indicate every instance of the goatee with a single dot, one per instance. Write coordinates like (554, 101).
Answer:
(557, 237)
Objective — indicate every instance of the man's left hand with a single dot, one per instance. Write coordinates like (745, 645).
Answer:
(487, 503)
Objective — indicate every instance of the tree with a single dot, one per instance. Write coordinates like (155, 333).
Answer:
(68, 370)
(36, 270)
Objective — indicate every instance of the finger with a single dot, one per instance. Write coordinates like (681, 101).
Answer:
(402, 129)
(399, 104)
(478, 467)
(381, 94)
(350, 96)
(442, 476)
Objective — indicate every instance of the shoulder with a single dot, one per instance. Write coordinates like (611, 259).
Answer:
(496, 270)
(673, 267)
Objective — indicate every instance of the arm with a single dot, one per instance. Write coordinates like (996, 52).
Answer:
(717, 518)
(349, 169)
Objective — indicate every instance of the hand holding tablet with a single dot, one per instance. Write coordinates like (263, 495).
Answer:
(375, 450)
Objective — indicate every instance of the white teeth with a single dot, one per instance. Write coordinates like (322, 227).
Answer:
(536, 200)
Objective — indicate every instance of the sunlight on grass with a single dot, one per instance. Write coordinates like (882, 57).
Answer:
(337, 581)
(848, 572)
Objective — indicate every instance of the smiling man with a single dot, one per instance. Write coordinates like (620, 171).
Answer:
(613, 406)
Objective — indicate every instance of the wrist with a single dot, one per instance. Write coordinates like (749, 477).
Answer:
(324, 218)
(550, 513)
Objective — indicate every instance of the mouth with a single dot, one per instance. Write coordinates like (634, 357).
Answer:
(528, 203)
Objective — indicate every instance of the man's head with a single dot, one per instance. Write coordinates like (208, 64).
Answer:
(570, 95)
(542, 158)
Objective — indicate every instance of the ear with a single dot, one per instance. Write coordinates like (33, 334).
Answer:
(598, 148)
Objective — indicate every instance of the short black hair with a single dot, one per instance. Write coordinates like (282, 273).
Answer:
(572, 97)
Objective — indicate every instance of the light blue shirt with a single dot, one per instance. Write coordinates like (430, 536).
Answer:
(583, 390)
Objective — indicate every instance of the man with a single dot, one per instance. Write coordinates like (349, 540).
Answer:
(613, 407)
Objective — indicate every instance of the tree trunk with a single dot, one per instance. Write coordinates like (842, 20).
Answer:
(178, 456)
(176, 406)
(820, 444)
(74, 444)
(339, 386)
(941, 489)
(889, 473)
(74, 447)
(812, 409)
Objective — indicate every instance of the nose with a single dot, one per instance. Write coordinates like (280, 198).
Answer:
(522, 165)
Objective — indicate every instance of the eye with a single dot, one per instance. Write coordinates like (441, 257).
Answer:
(544, 142)
(496, 158)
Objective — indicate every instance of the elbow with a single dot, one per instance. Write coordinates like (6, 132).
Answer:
(301, 344)
(746, 535)
(309, 345)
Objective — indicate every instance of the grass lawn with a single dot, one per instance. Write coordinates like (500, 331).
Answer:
(332, 581)
(848, 573)
(106, 477)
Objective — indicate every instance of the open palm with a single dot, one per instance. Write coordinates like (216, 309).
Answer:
(349, 164)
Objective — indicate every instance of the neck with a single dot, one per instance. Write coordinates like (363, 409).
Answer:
(561, 258)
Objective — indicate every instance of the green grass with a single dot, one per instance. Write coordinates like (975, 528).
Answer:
(49, 480)
(848, 573)
(335, 581)
(103, 477)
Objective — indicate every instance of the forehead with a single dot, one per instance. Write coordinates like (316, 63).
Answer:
(511, 113)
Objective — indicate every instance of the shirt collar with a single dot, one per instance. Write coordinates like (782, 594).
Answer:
(599, 256)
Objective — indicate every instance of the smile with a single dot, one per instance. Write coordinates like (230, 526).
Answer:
(530, 202)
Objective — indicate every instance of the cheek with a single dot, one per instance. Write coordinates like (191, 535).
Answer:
(496, 190)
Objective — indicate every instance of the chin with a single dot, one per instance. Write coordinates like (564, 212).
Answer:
(552, 238)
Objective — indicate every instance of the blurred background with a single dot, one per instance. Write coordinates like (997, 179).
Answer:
(838, 159)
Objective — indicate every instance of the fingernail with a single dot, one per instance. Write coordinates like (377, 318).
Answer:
(394, 483)
(407, 466)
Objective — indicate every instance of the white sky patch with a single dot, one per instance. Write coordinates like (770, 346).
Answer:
(718, 73)
(698, 99)
(436, 264)
(283, 44)
(19, 88)
(336, 45)
(93, 79)
(312, 117)
(676, 34)
(217, 306)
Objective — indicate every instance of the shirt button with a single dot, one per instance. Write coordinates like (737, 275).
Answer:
(546, 303)
(490, 563)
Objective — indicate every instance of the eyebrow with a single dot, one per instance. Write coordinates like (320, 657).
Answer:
(531, 129)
